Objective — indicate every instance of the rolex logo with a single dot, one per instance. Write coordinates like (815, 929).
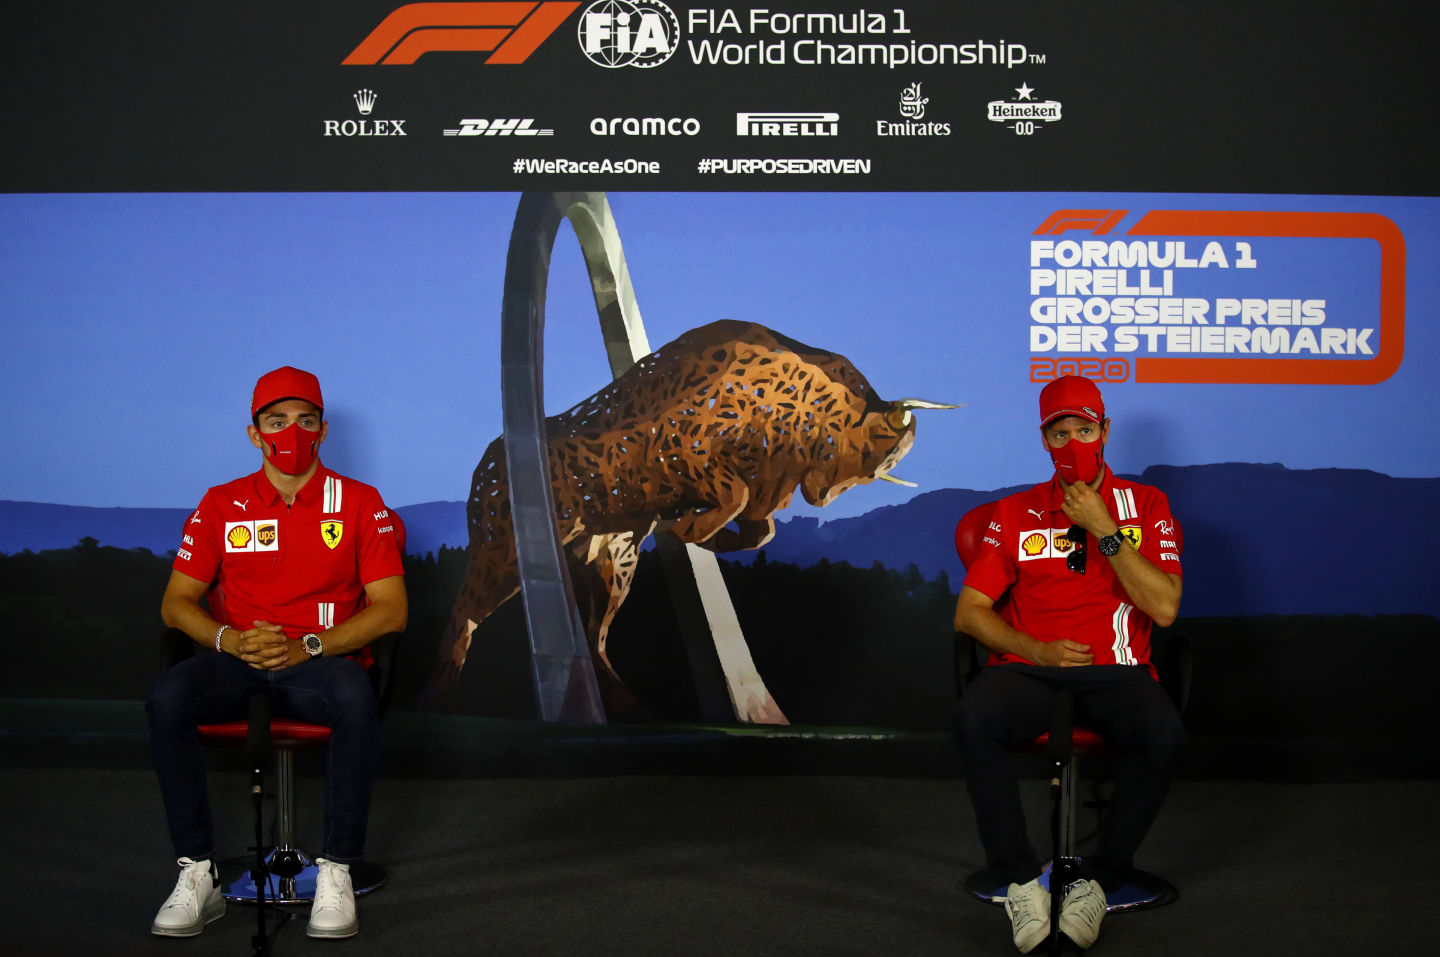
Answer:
(365, 103)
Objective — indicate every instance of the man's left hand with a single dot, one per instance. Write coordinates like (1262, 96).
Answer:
(294, 652)
(1084, 506)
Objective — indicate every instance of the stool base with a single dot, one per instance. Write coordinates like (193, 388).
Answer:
(1138, 890)
(238, 885)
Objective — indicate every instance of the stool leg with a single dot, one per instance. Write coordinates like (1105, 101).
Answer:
(287, 860)
(1070, 789)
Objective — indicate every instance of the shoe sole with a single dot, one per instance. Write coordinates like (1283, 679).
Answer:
(337, 933)
(1077, 941)
(192, 930)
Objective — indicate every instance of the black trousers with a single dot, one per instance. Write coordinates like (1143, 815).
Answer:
(1010, 704)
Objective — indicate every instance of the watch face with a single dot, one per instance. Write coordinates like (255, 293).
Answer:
(1110, 545)
(312, 644)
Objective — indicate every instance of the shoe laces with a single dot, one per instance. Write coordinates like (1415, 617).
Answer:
(1028, 905)
(329, 886)
(1087, 902)
(187, 889)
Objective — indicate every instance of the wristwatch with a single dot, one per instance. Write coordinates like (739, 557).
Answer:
(313, 647)
(1110, 544)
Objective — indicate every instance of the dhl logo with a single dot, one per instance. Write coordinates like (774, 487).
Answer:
(512, 31)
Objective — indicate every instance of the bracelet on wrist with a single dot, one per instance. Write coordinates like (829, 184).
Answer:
(218, 635)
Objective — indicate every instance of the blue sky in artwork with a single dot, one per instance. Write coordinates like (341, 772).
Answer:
(135, 326)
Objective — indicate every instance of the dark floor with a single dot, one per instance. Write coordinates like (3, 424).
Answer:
(655, 864)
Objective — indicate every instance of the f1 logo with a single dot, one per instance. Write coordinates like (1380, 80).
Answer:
(512, 30)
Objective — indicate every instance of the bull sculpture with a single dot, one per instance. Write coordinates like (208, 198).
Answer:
(709, 436)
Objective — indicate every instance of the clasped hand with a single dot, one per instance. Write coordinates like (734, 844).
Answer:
(266, 648)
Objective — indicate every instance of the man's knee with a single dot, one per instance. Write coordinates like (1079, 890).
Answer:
(976, 726)
(349, 694)
(1161, 739)
(169, 696)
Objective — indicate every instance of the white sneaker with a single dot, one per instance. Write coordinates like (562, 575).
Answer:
(1081, 912)
(195, 901)
(1029, 908)
(333, 913)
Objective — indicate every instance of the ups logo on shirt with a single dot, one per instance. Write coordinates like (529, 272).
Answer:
(265, 534)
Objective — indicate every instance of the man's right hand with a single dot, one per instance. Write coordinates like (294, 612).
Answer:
(1062, 654)
(261, 645)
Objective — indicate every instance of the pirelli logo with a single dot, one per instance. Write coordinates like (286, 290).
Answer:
(509, 32)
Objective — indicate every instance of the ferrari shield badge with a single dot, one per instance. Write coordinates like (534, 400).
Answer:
(331, 531)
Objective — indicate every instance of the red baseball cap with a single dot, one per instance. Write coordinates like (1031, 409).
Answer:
(286, 382)
(1071, 395)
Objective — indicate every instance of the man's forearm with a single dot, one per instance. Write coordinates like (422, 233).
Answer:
(363, 627)
(1152, 591)
(190, 617)
(988, 628)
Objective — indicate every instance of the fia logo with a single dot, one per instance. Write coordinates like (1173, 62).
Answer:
(638, 33)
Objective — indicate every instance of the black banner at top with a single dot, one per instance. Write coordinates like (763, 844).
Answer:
(645, 94)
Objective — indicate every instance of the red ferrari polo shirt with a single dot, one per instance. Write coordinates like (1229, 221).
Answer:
(1025, 552)
(302, 566)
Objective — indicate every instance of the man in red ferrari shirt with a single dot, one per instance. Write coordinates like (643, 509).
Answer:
(301, 570)
(1080, 567)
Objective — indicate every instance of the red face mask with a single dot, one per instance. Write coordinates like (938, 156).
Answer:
(291, 450)
(1077, 461)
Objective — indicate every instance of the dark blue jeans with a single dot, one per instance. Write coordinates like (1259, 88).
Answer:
(1009, 704)
(210, 688)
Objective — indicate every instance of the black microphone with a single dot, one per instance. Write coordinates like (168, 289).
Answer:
(1062, 725)
(257, 736)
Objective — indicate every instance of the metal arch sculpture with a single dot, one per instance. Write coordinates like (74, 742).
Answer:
(562, 669)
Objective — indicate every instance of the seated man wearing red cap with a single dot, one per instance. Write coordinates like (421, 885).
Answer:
(302, 570)
(1089, 561)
